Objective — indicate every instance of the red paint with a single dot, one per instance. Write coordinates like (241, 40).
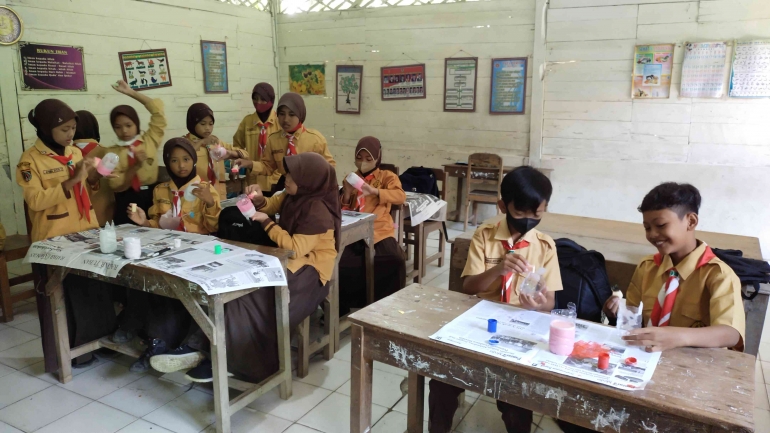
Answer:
(604, 361)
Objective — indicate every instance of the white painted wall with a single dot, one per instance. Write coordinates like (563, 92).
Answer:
(105, 28)
(608, 151)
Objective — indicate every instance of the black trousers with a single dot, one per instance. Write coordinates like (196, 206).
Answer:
(142, 198)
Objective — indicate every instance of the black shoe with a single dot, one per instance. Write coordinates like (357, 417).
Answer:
(156, 347)
(85, 364)
(122, 336)
(203, 373)
(183, 357)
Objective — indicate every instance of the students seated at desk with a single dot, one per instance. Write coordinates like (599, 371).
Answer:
(57, 183)
(309, 225)
(381, 189)
(87, 139)
(494, 272)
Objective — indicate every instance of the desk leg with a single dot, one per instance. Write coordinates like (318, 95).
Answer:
(334, 321)
(459, 204)
(419, 252)
(415, 403)
(369, 257)
(360, 384)
(284, 345)
(55, 290)
(219, 365)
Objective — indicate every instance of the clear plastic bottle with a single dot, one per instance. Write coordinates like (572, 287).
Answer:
(217, 152)
(108, 241)
(107, 164)
(532, 282)
(188, 192)
(246, 206)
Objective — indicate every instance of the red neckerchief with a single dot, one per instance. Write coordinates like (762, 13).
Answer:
(664, 302)
(177, 208)
(81, 195)
(210, 172)
(291, 149)
(508, 278)
(361, 200)
(135, 183)
(262, 138)
(89, 147)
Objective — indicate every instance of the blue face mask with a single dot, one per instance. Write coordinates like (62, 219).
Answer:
(521, 225)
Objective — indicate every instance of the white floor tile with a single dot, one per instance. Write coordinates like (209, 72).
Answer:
(12, 337)
(470, 399)
(5, 428)
(32, 327)
(482, 418)
(299, 428)
(333, 415)
(142, 426)
(329, 374)
(392, 422)
(390, 369)
(5, 370)
(344, 353)
(23, 355)
(24, 313)
(191, 412)
(38, 371)
(94, 418)
(386, 388)
(42, 408)
(441, 281)
(2, 325)
(251, 421)
(764, 351)
(176, 377)
(303, 399)
(548, 425)
(143, 396)
(766, 371)
(761, 420)
(759, 376)
(17, 386)
(102, 380)
(760, 397)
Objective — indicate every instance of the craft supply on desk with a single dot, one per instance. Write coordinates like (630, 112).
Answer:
(492, 325)
(532, 282)
(561, 338)
(604, 361)
(177, 243)
(235, 168)
(132, 248)
(108, 241)
(106, 165)
(217, 249)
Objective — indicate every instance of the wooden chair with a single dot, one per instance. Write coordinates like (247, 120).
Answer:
(305, 349)
(418, 236)
(15, 248)
(489, 171)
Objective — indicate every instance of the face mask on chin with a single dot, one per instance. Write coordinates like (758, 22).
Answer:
(521, 225)
(263, 107)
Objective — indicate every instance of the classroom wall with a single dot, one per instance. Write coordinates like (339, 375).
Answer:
(105, 28)
(608, 151)
(414, 132)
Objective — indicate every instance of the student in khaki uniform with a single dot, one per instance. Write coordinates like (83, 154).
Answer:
(309, 226)
(87, 139)
(137, 171)
(254, 130)
(690, 297)
(57, 183)
(200, 124)
(292, 140)
(381, 189)
(500, 255)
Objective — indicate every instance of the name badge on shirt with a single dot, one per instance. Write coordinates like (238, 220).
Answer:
(493, 261)
(144, 188)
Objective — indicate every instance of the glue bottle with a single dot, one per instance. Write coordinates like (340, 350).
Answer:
(531, 283)
(106, 165)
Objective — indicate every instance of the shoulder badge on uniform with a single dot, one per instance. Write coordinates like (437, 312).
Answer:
(26, 172)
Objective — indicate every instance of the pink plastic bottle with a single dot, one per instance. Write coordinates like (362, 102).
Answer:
(106, 165)
(562, 337)
(246, 206)
(218, 152)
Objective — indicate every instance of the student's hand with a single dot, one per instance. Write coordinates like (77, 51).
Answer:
(260, 217)
(654, 339)
(369, 190)
(611, 307)
(232, 154)
(123, 88)
(514, 263)
(347, 189)
(203, 192)
(535, 301)
(257, 198)
(244, 163)
(139, 217)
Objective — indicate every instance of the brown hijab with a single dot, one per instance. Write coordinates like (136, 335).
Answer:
(46, 116)
(295, 103)
(88, 126)
(373, 146)
(187, 146)
(316, 207)
(127, 111)
(195, 114)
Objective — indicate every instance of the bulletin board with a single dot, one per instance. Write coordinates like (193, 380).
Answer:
(403, 82)
(52, 67)
(509, 86)
(750, 76)
(652, 71)
(460, 84)
(147, 69)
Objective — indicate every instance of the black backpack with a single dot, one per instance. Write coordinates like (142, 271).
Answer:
(584, 280)
(751, 272)
(233, 226)
(419, 179)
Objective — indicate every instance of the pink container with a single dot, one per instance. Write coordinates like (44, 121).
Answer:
(562, 337)
(246, 206)
(106, 165)
(218, 152)
(355, 181)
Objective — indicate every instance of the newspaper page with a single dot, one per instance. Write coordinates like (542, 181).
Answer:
(523, 338)
(423, 207)
(349, 217)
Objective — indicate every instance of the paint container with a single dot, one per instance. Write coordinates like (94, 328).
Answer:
(235, 169)
(106, 165)
(217, 249)
(355, 181)
(132, 248)
(246, 207)
(561, 339)
(604, 361)
(177, 243)
(133, 207)
(493, 342)
(491, 325)
(630, 361)
(108, 241)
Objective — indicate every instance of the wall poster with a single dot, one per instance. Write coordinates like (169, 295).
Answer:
(403, 82)
(460, 84)
(750, 77)
(349, 84)
(214, 60)
(652, 71)
(307, 79)
(147, 69)
(703, 70)
(509, 86)
(52, 67)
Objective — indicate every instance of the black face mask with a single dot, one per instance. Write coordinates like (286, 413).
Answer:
(521, 225)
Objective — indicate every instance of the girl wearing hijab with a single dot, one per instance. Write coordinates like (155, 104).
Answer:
(57, 184)
(310, 226)
(381, 189)
(293, 139)
(137, 170)
(87, 140)
(254, 130)
(200, 126)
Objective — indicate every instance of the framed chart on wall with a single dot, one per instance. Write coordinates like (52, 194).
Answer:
(52, 67)
(146, 69)
(403, 82)
(460, 84)
(653, 65)
(349, 85)
(509, 86)
(214, 60)
(750, 76)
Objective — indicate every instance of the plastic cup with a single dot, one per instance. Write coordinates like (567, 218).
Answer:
(106, 165)
(355, 181)
(246, 207)
(561, 339)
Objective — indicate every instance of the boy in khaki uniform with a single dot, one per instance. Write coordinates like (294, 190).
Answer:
(690, 297)
(500, 256)
(253, 132)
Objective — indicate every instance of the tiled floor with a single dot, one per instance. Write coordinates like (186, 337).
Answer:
(107, 398)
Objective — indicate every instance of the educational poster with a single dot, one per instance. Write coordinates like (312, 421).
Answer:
(148, 69)
(509, 86)
(522, 337)
(703, 70)
(52, 67)
(403, 82)
(214, 60)
(349, 82)
(652, 71)
(460, 84)
(307, 79)
(751, 70)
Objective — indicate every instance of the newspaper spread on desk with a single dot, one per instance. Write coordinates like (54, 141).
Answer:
(234, 269)
(523, 338)
(423, 207)
(349, 217)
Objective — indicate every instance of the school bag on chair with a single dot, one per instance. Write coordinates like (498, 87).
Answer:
(421, 180)
(751, 272)
(233, 226)
(584, 280)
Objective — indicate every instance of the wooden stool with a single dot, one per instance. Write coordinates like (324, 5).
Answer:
(16, 247)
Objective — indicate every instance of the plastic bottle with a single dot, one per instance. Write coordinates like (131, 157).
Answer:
(531, 283)
(246, 206)
(218, 152)
(188, 192)
(107, 164)
(108, 240)
(355, 181)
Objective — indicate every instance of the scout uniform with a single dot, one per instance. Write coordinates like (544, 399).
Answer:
(391, 193)
(214, 171)
(102, 198)
(708, 292)
(149, 141)
(252, 135)
(488, 248)
(196, 216)
(279, 146)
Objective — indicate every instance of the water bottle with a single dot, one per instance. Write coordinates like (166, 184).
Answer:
(188, 192)
(532, 282)
(108, 240)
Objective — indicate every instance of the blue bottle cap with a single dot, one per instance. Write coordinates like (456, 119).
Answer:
(493, 342)
(491, 325)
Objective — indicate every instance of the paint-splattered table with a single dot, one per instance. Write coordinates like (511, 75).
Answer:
(693, 390)
(212, 324)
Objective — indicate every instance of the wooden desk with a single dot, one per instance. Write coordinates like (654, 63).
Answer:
(213, 325)
(693, 390)
(624, 245)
